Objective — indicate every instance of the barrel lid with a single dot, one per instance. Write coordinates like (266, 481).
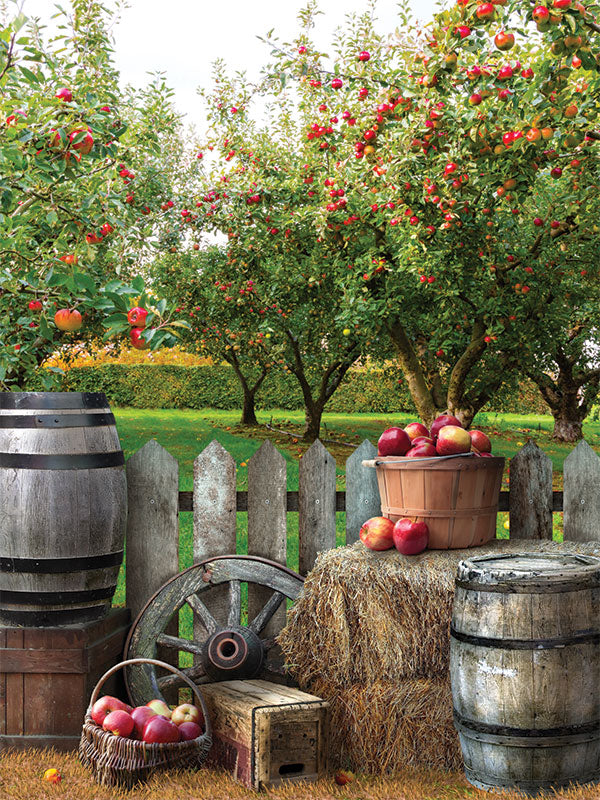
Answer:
(494, 569)
(52, 400)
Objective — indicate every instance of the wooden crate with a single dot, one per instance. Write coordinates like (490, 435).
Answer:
(265, 733)
(47, 676)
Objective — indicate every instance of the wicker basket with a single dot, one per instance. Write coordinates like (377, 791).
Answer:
(117, 761)
(457, 496)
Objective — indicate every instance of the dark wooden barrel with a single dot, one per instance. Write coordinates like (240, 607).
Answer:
(63, 507)
(525, 669)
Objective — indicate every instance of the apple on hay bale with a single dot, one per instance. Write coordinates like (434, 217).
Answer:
(377, 533)
(410, 537)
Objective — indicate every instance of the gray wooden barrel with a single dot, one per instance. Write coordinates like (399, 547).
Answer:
(63, 507)
(525, 669)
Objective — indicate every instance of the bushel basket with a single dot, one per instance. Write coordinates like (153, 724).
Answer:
(118, 761)
(457, 496)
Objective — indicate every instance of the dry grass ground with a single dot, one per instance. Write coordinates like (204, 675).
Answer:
(21, 778)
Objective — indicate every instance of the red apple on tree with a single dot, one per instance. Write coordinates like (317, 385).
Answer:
(410, 537)
(64, 94)
(137, 317)
(105, 705)
(137, 340)
(68, 319)
(393, 442)
(376, 533)
(118, 722)
(453, 440)
(480, 441)
(504, 41)
(82, 140)
(159, 729)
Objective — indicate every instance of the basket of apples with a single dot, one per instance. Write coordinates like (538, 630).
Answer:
(439, 487)
(123, 745)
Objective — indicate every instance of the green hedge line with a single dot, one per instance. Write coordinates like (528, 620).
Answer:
(167, 386)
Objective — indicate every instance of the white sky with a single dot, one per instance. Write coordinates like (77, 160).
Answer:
(183, 37)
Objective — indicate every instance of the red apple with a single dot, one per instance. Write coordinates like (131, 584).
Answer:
(422, 440)
(118, 722)
(68, 319)
(480, 441)
(140, 716)
(485, 11)
(485, 455)
(439, 422)
(186, 712)
(343, 777)
(105, 705)
(84, 142)
(503, 40)
(136, 317)
(159, 729)
(540, 14)
(393, 442)
(452, 440)
(376, 533)
(415, 429)
(160, 707)
(137, 340)
(410, 537)
(189, 730)
(422, 451)
(64, 94)
(35, 305)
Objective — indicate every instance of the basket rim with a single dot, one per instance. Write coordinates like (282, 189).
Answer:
(459, 461)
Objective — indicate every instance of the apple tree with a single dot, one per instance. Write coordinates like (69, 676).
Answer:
(69, 227)
(436, 141)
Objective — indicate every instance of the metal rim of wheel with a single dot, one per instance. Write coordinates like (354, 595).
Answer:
(224, 652)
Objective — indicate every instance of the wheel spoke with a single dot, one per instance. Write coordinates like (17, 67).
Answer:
(179, 644)
(206, 618)
(266, 612)
(235, 603)
(195, 674)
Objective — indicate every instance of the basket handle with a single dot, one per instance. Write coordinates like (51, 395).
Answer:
(156, 662)
(374, 462)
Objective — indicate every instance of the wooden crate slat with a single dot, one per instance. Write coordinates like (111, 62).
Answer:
(267, 523)
(214, 518)
(362, 493)
(316, 505)
(530, 501)
(581, 502)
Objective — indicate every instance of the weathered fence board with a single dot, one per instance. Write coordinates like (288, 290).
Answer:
(362, 494)
(581, 472)
(316, 505)
(267, 523)
(214, 517)
(530, 505)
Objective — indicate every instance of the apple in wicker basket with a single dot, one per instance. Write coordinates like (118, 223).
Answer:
(189, 730)
(187, 712)
(377, 533)
(106, 705)
(141, 715)
(160, 707)
(161, 730)
(118, 722)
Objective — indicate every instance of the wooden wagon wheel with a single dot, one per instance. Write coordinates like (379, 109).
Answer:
(226, 650)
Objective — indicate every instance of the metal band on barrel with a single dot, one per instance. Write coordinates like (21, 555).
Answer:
(53, 566)
(57, 421)
(62, 461)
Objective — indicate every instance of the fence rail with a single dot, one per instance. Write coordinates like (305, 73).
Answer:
(152, 555)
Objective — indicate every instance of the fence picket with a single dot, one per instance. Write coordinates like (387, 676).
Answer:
(214, 518)
(581, 497)
(316, 505)
(152, 527)
(362, 494)
(530, 502)
(267, 523)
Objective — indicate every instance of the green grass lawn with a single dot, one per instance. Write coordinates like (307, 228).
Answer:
(185, 433)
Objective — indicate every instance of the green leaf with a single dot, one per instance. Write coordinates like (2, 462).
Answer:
(85, 282)
(29, 75)
(52, 218)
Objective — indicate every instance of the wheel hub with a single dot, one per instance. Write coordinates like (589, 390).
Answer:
(234, 653)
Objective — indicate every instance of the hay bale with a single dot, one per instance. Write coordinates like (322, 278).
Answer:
(365, 617)
(384, 727)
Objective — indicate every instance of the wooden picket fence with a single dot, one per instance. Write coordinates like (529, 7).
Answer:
(152, 543)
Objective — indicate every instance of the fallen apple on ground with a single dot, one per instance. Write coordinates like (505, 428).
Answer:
(410, 537)
(377, 533)
(343, 777)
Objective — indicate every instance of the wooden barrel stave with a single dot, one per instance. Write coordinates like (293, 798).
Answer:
(525, 672)
(61, 530)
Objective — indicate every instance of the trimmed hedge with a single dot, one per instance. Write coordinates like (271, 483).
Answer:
(168, 386)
